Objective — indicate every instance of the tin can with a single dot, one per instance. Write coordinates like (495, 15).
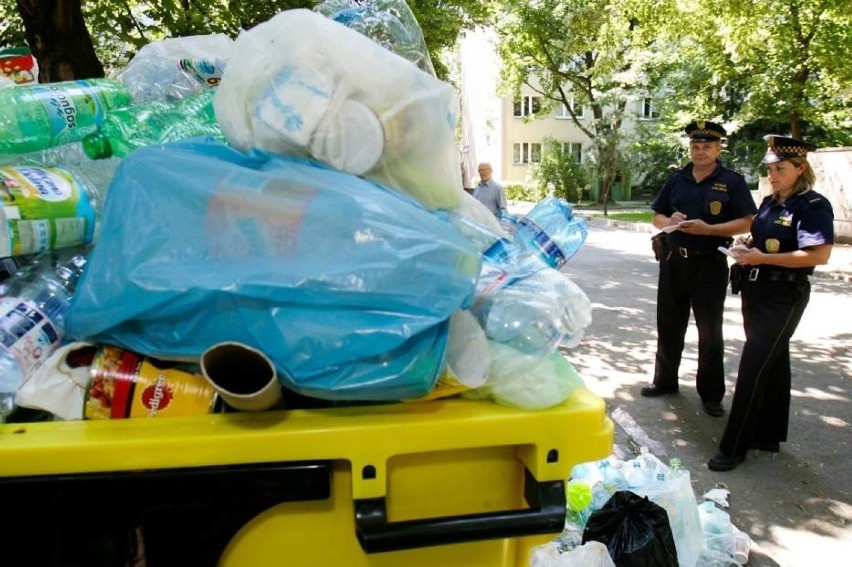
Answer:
(125, 384)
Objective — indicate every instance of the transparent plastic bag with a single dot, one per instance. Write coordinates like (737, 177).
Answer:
(390, 23)
(302, 84)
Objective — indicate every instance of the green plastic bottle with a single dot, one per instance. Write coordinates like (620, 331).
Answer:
(37, 117)
(155, 122)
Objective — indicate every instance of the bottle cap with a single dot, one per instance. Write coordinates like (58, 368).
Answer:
(350, 139)
(97, 146)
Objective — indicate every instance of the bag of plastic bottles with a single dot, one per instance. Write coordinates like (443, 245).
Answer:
(390, 23)
(174, 68)
(303, 84)
(346, 286)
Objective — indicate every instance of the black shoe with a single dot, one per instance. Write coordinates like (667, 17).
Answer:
(722, 462)
(768, 447)
(713, 408)
(654, 391)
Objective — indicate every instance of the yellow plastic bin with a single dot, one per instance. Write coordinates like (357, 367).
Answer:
(449, 482)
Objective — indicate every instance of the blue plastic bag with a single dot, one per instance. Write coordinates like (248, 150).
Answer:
(347, 286)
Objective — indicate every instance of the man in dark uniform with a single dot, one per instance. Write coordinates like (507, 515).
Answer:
(702, 205)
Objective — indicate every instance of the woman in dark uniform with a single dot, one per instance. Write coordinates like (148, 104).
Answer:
(792, 232)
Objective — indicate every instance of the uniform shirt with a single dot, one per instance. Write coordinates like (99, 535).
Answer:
(803, 220)
(720, 197)
(490, 193)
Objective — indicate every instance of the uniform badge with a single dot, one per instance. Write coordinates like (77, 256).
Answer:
(785, 220)
(772, 245)
(715, 207)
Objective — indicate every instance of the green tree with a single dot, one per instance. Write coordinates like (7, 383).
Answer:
(585, 52)
(120, 27)
(559, 171)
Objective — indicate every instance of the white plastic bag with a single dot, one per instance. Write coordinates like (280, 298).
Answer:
(590, 554)
(302, 84)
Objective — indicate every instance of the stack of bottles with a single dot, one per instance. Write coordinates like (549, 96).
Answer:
(33, 306)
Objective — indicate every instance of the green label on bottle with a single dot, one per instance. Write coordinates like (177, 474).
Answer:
(72, 111)
(43, 208)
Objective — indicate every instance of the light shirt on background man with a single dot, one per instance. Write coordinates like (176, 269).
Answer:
(491, 194)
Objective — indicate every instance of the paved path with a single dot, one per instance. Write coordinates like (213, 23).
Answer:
(796, 504)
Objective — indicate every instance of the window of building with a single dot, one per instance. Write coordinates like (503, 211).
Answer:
(526, 152)
(562, 111)
(573, 149)
(527, 105)
(649, 110)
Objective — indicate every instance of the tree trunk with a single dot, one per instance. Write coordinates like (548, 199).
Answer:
(59, 40)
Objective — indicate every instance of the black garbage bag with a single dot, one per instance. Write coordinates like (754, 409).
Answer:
(635, 530)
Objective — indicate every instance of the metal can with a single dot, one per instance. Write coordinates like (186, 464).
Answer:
(125, 384)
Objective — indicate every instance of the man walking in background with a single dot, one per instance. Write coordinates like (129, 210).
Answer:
(488, 191)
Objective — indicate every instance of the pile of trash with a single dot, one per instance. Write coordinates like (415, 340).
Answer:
(226, 222)
(642, 511)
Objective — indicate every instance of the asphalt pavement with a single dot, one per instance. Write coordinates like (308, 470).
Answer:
(795, 505)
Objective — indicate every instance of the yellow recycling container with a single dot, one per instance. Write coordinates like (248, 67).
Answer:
(448, 482)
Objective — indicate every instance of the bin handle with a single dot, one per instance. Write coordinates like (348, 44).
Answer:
(546, 514)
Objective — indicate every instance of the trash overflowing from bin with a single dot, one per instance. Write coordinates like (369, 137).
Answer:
(292, 195)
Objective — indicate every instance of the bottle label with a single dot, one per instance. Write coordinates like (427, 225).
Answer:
(72, 111)
(26, 332)
(43, 209)
(533, 235)
(205, 71)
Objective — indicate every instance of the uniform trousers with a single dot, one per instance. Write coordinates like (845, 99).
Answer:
(760, 410)
(698, 283)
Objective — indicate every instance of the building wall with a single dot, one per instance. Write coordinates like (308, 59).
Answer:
(516, 130)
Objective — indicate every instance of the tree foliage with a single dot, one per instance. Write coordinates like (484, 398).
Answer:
(120, 27)
(558, 171)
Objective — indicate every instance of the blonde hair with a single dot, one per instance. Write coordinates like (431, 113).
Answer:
(807, 179)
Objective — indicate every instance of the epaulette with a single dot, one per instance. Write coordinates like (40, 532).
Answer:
(816, 202)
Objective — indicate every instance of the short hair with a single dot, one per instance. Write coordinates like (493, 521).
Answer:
(484, 164)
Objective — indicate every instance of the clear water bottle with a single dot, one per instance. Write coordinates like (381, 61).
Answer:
(552, 231)
(48, 208)
(32, 317)
(36, 117)
(535, 312)
(154, 122)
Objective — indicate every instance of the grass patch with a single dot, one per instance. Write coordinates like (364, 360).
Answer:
(632, 217)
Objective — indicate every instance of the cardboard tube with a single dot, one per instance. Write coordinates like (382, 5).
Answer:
(244, 377)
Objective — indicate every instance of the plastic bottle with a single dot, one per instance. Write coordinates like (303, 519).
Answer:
(551, 230)
(47, 208)
(36, 117)
(154, 122)
(32, 317)
(534, 313)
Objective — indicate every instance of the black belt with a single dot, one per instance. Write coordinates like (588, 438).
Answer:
(693, 252)
(758, 275)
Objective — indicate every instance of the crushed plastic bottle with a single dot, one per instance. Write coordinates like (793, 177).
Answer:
(174, 68)
(36, 117)
(551, 230)
(150, 123)
(32, 317)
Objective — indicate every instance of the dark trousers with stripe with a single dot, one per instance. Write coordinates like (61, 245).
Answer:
(760, 411)
(698, 284)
